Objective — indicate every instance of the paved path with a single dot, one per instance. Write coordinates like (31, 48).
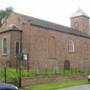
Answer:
(81, 87)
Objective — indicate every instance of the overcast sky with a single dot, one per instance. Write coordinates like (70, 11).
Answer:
(57, 11)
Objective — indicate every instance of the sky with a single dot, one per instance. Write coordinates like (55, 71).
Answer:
(57, 11)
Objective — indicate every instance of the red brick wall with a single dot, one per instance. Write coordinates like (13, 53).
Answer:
(80, 23)
(40, 38)
(36, 80)
(46, 47)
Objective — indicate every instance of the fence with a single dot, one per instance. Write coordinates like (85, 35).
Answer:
(79, 67)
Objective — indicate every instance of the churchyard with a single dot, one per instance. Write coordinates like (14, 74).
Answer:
(47, 78)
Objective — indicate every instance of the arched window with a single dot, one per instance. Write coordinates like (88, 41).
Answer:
(4, 45)
(17, 47)
(71, 47)
(52, 47)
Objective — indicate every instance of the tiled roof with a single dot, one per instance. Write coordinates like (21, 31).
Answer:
(54, 26)
(79, 12)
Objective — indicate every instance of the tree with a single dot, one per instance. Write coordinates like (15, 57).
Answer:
(4, 13)
(8, 10)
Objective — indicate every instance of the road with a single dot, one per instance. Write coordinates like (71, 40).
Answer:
(81, 87)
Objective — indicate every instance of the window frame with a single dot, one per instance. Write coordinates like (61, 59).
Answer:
(71, 46)
(15, 46)
(3, 53)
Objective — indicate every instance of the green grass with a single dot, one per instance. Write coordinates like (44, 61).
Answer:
(50, 72)
(55, 85)
(30, 73)
(12, 74)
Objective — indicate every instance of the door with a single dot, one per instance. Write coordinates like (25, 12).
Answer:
(67, 64)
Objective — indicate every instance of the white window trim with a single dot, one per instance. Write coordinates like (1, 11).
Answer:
(3, 47)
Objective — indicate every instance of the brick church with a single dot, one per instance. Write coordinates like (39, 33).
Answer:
(47, 44)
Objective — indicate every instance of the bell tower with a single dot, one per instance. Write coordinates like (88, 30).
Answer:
(80, 21)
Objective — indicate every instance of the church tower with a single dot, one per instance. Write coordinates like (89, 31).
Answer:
(80, 21)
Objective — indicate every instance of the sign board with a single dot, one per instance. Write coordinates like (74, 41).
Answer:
(19, 56)
(25, 56)
(22, 56)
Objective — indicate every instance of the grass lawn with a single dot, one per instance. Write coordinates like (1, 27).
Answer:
(55, 85)
(12, 74)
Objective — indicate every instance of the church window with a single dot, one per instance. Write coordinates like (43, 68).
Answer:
(4, 44)
(17, 47)
(71, 47)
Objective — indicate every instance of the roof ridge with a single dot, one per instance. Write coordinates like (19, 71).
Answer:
(52, 25)
(79, 12)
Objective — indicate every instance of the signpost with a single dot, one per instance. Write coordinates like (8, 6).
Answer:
(25, 58)
(20, 57)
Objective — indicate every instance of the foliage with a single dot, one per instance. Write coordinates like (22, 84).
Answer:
(13, 74)
(4, 13)
(10, 73)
